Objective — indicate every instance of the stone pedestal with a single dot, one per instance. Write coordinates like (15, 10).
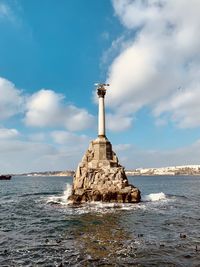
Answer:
(100, 177)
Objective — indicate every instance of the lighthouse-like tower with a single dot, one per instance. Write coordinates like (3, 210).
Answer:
(99, 176)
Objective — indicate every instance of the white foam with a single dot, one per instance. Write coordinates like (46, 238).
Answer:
(63, 199)
(154, 197)
(103, 207)
(67, 191)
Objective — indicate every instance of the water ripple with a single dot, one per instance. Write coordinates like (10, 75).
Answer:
(40, 228)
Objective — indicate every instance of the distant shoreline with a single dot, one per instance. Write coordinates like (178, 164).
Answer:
(55, 173)
(185, 170)
(150, 175)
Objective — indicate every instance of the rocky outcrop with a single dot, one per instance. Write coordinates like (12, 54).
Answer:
(100, 177)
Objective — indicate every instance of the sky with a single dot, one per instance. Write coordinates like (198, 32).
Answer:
(51, 54)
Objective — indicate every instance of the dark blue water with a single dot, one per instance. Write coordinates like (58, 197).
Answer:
(39, 228)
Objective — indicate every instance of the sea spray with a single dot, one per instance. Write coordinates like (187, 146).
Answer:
(102, 207)
(67, 192)
(63, 199)
(154, 197)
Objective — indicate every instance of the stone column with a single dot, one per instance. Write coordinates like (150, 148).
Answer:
(101, 123)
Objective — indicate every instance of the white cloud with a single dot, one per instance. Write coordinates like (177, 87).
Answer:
(8, 133)
(117, 45)
(117, 122)
(70, 139)
(122, 147)
(46, 108)
(37, 137)
(18, 156)
(133, 157)
(184, 108)
(161, 56)
(11, 99)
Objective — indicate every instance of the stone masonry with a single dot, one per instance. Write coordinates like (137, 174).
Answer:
(100, 177)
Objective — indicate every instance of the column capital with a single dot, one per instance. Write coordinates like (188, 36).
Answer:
(101, 92)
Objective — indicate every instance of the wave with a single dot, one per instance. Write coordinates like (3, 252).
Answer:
(38, 194)
(63, 199)
(154, 197)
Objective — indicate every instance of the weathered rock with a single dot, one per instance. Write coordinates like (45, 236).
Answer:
(100, 177)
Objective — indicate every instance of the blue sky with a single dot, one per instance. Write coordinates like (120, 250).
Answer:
(52, 52)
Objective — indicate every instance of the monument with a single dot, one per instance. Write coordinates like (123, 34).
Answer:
(99, 176)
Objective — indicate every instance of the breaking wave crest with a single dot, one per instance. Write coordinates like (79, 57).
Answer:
(63, 199)
(154, 197)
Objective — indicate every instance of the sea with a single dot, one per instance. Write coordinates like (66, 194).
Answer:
(38, 227)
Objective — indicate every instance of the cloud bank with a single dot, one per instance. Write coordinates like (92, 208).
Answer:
(11, 99)
(49, 141)
(159, 65)
(8, 133)
(56, 150)
(46, 108)
(70, 139)
(133, 157)
(17, 156)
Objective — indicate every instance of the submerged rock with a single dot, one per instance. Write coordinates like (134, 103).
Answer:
(100, 177)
